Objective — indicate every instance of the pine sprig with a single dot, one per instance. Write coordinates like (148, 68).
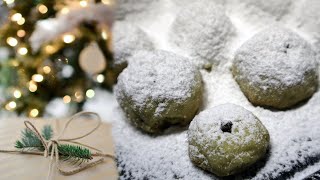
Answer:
(47, 132)
(29, 141)
(72, 153)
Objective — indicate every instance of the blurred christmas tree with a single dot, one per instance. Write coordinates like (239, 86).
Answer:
(57, 48)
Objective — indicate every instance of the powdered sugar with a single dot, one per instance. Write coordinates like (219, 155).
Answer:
(226, 137)
(207, 125)
(157, 75)
(201, 29)
(287, 59)
(275, 8)
(128, 38)
(294, 133)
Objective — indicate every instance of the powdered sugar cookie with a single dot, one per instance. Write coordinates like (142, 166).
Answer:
(201, 29)
(226, 139)
(126, 40)
(159, 89)
(276, 68)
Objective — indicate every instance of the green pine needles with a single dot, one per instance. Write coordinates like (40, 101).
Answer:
(67, 152)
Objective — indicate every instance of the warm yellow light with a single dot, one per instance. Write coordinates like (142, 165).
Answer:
(9, 1)
(66, 99)
(32, 86)
(34, 112)
(50, 49)
(100, 78)
(90, 93)
(42, 9)
(21, 21)
(22, 51)
(14, 63)
(83, 3)
(104, 35)
(12, 41)
(16, 17)
(107, 2)
(64, 10)
(11, 105)
(21, 33)
(68, 38)
(78, 95)
(46, 69)
(37, 78)
(17, 94)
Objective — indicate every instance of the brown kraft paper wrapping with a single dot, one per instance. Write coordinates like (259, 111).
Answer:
(34, 167)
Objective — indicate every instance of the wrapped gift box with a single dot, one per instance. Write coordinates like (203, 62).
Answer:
(33, 167)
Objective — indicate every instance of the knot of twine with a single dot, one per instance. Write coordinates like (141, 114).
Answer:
(54, 142)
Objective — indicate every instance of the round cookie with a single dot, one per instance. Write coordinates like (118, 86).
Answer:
(127, 39)
(202, 29)
(276, 68)
(226, 139)
(159, 89)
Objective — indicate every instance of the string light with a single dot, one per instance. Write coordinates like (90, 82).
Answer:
(42, 9)
(107, 2)
(16, 17)
(46, 69)
(14, 63)
(21, 33)
(90, 93)
(34, 112)
(12, 41)
(37, 78)
(64, 10)
(11, 105)
(83, 3)
(78, 95)
(22, 50)
(9, 1)
(17, 94)
(21, 21)
(104, 35)
(32, 86)
(68, 38)
(100, 78)
(66, 99)
(50, 49)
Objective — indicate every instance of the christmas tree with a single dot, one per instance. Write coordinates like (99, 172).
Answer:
(56, 49)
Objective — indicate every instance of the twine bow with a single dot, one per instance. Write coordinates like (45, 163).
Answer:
(54, 142)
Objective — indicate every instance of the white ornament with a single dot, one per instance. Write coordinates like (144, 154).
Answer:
(92, 60)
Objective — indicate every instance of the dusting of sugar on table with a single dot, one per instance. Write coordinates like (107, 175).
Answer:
(294, 133)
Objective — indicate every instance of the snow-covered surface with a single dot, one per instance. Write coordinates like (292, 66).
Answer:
(294, 133)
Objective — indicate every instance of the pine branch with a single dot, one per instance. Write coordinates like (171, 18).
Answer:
(47, 132)
(29, 141)
(72, 153)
